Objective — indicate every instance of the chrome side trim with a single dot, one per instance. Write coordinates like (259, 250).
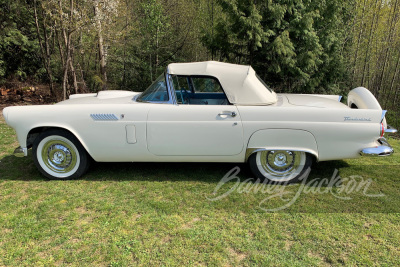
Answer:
(250, 151)
(104, 117)
(385, 149)
(390, 130)
(20, 152)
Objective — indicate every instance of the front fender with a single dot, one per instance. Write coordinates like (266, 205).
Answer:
(24, 133)
(282, 139)
(25, 119)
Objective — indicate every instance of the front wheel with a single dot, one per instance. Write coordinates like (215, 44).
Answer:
(280, 166)
(59, 155)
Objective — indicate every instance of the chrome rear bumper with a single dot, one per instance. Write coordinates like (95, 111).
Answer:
(390, 130)
(384, 149)
(20, 152)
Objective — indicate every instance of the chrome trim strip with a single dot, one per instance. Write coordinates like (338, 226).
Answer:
(383, 115)
(250, 151)
(20, 152)
(157, 102)
(385, 149)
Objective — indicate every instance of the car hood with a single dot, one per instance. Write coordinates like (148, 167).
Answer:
(317, 101)
(102, 97)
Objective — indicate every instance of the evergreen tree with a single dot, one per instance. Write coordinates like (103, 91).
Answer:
(19, 50)
(292, 44)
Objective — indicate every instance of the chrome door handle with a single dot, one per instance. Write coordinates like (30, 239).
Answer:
(232, 114)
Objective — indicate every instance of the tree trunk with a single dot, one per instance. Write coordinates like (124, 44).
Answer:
(396, 72)
(73, 73)
(66, 65)
(102, 54)
(395, 97)
(45, 52)
(67, 41)
(60, 48)
(156, 67)
(102, 61)
(211, 14)
(358, 43)
(371, 32)
(84, 87)
(388, 46)
(151, 70)
(124, 59)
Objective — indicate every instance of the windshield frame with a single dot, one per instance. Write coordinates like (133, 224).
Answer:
(171, 96)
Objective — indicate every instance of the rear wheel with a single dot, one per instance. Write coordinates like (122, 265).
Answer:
(59, 155)
(280, 166)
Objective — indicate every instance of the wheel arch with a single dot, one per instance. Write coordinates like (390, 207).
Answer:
(282, 139)
(34, 133)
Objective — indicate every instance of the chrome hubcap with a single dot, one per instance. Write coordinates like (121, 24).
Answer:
(59, 156)
(280, 165)
(280, 160)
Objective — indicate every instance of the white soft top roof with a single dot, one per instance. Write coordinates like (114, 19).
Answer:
(239, 82)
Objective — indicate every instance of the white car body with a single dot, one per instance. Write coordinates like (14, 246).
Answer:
(113, 126)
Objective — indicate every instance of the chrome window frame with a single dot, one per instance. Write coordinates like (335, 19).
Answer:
(170, 88)
(171, 92)
(171, 95)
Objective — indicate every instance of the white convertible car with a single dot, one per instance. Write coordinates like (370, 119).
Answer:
(201, 112)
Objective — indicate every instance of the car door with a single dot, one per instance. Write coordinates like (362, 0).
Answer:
(194, 127)
(194, 130)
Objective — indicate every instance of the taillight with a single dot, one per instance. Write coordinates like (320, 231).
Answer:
(382, 130)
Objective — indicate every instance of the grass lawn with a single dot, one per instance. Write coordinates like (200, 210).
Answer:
(163, 214)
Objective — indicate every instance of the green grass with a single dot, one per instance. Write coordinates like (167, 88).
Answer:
(160, 214)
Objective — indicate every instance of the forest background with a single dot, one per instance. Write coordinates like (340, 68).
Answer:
(296, 46)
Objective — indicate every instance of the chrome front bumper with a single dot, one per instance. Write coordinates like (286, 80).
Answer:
(383, 150)
(20, 152)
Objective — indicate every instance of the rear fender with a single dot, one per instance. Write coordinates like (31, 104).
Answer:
(282, 139)
(362, 98)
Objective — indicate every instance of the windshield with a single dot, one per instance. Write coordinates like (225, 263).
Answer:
(156, 92)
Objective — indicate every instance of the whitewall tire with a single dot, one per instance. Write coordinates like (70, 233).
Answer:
(280, 166)
(59, 155)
